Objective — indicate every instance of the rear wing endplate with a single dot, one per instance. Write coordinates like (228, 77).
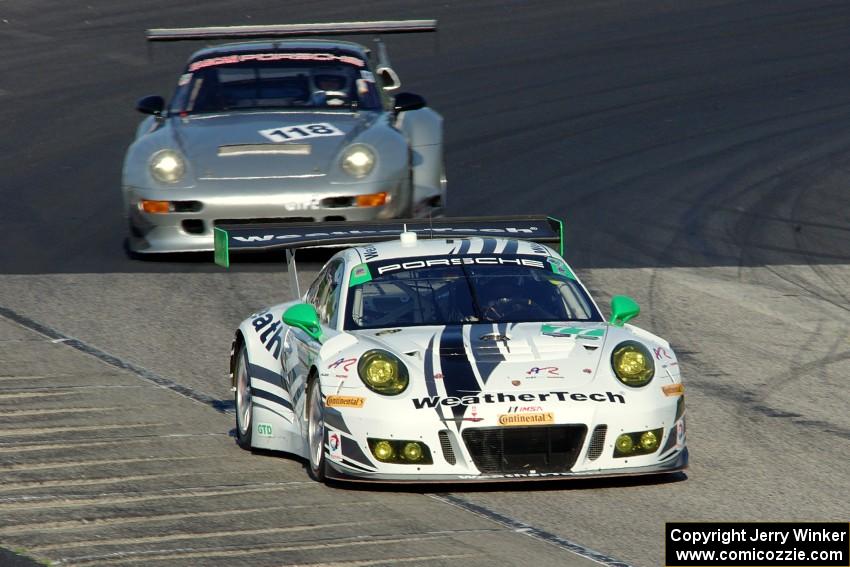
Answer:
(290, 236)
(292, 30)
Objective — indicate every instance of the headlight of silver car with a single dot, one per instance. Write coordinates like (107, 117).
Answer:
(167, 166)
(358, 160)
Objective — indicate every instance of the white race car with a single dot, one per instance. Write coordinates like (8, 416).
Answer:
(453, 350)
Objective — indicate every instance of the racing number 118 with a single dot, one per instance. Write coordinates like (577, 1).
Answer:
(301, 131)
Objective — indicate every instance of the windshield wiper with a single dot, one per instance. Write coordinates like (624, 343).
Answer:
(475, 305)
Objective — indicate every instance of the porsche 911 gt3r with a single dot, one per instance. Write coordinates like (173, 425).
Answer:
(283, 130)
(462, 349)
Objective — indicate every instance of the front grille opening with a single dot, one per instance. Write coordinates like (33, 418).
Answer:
(193, 226)
(219, 222)
(335, 219)
(337, 202)
(186, 206)
(446, 444)
(525, 449)
(597, 442)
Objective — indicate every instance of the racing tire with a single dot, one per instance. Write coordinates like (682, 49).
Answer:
(316, 431)
(244, 406)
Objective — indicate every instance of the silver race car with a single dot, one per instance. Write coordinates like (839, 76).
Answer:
(451, 350)
(302, 130)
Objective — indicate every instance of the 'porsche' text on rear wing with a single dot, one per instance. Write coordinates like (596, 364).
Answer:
(292, 30)
(288, 236)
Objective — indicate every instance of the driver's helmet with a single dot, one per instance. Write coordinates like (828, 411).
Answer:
(497, 291)
(329, 82)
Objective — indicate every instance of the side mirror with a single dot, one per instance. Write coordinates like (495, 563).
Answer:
(389, 78)
(303, 316)
(153, 104)
(408, 101)
(623, 310)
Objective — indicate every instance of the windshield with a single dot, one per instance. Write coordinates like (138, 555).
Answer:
(432, 291)
(276, 80)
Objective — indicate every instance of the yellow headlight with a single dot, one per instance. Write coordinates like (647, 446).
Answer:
(632, 364)
(383, 372)
(649, 441)
(383, 451)
(624, 443)
(412, 451)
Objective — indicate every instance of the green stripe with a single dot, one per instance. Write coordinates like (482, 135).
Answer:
(222, 249)
(560, 233)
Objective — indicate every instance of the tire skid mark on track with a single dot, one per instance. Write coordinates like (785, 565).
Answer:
(61, 411)
(65, 483)
(111, 360)
(98, 522)
(96, 463)
(100, 442)
(84, 500)
(387, 561)
(191, 536)
(73, 429)
(528, 530)
(259, 549)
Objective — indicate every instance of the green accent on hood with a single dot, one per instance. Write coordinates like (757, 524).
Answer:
(360, 274)
(562, 331)
(560, 267)
(222, 251)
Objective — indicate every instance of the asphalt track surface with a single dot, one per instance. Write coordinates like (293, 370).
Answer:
(699, 152)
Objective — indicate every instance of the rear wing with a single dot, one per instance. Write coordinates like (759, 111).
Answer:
(290, 236)
(292, 30)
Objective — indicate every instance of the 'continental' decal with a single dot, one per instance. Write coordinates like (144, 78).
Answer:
(526, 418)
(345, 401)
(500, 397)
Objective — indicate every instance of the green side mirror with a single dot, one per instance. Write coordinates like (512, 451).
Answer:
(623, 310)
(303, 316)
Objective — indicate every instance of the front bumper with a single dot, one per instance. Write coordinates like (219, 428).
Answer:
(677, 462)
(188, 226)
(578, 443)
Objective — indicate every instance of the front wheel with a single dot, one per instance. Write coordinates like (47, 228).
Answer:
(316, 429)
(243, 400)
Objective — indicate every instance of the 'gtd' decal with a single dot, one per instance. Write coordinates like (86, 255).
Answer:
(264, 429)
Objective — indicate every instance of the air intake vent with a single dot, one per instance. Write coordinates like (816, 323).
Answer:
(525, 449)
(446, 444)
(597, 442)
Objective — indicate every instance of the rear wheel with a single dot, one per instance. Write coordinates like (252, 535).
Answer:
(243, 400)
(316, 429)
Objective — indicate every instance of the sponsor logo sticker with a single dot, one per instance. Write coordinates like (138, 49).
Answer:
(344, 363)
(335, 446)
(661, 352)
(345, 402)
(264, 429)
(509, 419)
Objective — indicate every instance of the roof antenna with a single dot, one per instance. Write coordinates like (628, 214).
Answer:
(408, 239)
